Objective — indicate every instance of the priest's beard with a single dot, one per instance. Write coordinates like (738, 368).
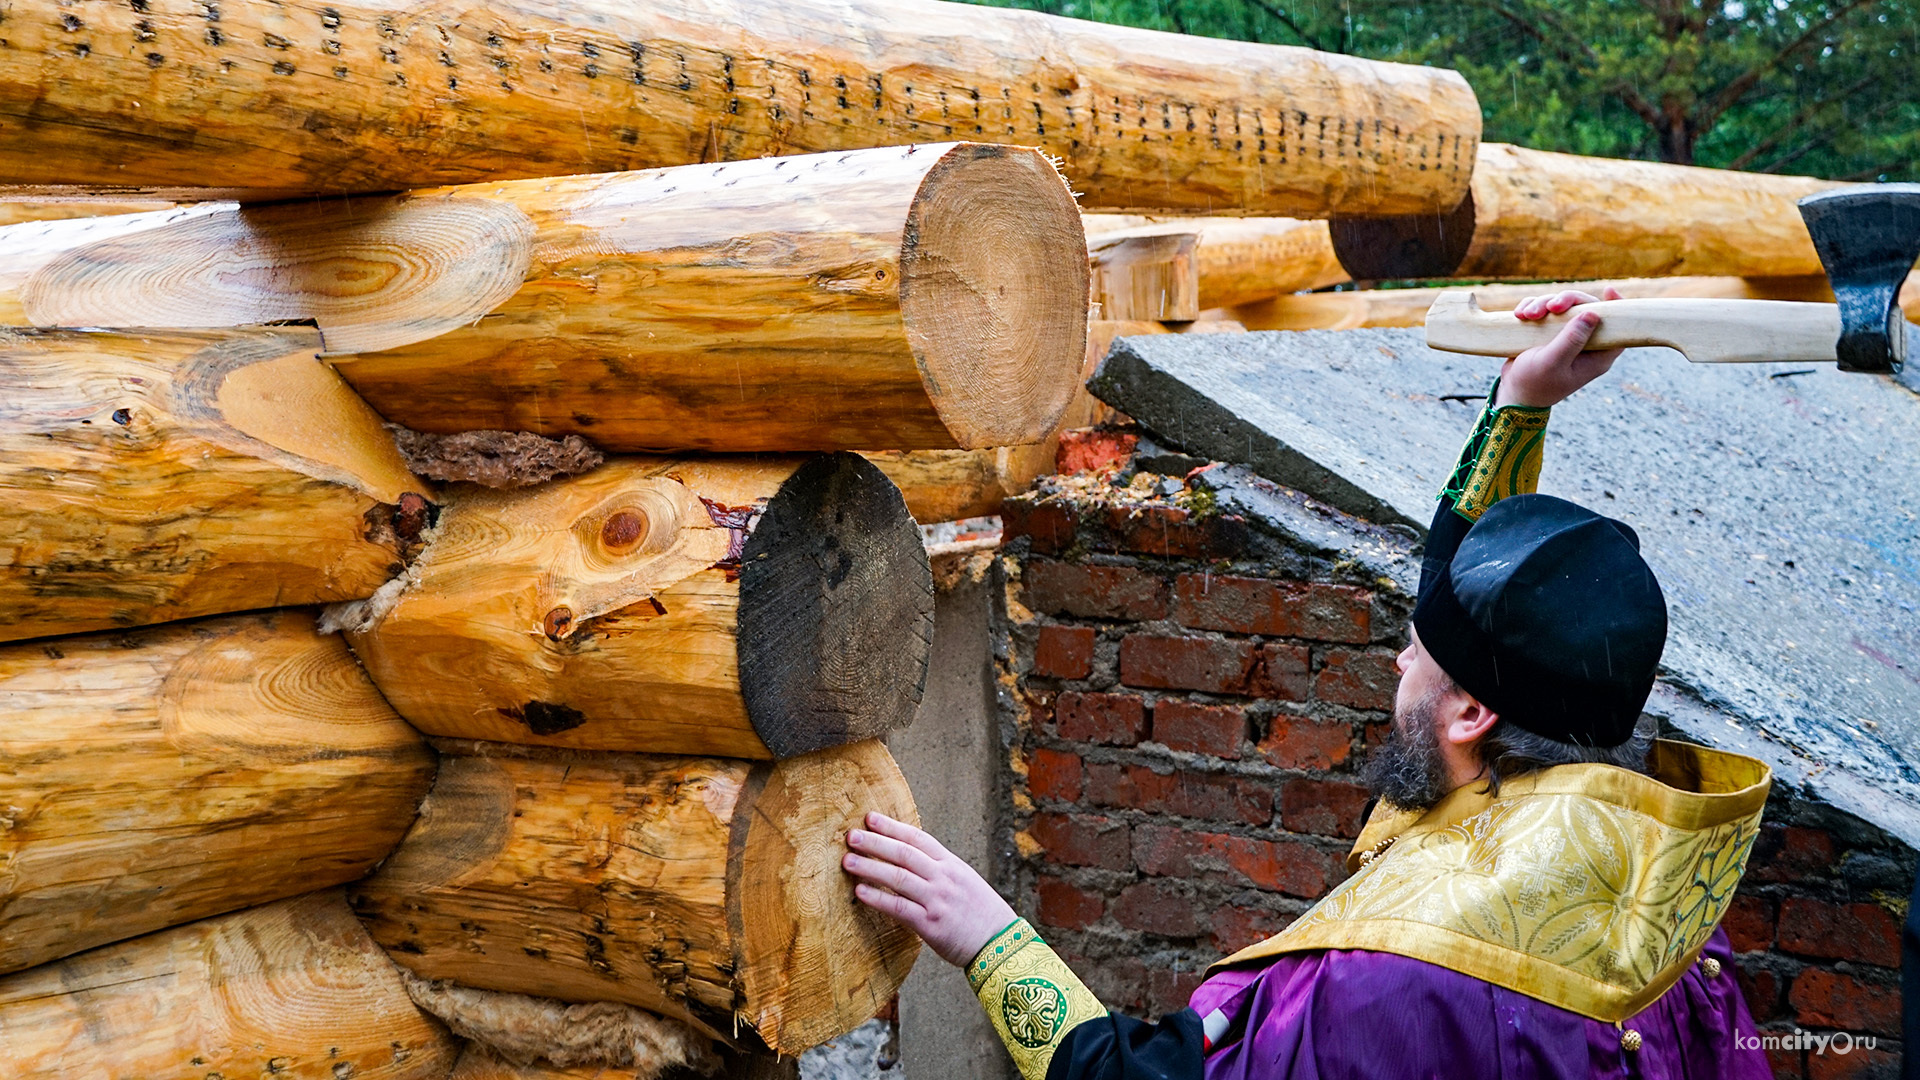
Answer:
(1406, 769)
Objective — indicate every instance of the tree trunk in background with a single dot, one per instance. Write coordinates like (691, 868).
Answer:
(703, 888)
(750, 608)
(170, 774)
(352, 96)
(162, 475)
(295, 989)
(933, 297)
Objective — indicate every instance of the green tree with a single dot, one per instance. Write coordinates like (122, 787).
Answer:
(1825, 87)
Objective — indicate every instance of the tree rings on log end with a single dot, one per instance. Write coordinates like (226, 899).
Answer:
(993, 292)
(801, 939)
(1393, 248)
(836, 609)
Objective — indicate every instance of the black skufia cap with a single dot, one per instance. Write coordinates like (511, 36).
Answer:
(1549, 616)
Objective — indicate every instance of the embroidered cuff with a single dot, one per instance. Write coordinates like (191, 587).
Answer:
(1502, 457)
(1031, 996)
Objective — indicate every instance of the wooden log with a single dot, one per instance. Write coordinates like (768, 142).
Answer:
(352, 96)
(1145, 273)
(1408, 307)
(294, 989)
(703, 888)
(12, 213)
(178, 772)
(931, 297)
(1244, 260)
(165, 475)
(950, 485)
(754, 609)
(1535, 214)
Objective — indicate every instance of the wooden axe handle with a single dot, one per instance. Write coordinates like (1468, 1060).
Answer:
(1706, 331)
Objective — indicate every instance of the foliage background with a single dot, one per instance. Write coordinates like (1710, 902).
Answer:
(1817, 87)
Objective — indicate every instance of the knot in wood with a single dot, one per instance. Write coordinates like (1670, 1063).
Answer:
(558, 622)
(623, 530)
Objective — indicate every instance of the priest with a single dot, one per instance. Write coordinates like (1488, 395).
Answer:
(1539, 888)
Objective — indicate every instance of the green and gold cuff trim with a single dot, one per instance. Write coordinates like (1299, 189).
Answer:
(1502, 457)
(1032, 998)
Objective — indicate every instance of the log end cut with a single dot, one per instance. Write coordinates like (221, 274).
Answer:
(836, 609)
(993, 293)
(801, 938)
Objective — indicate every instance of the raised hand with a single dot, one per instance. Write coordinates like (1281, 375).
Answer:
(1548, 374)
(907, 874)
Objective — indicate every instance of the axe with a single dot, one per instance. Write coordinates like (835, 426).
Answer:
(1868, 238)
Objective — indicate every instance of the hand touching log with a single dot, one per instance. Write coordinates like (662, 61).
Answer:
(906, 873)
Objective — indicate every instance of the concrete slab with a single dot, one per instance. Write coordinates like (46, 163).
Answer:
(951, 757)
(1778, 503)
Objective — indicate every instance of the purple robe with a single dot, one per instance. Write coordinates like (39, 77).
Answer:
(1341, 1014)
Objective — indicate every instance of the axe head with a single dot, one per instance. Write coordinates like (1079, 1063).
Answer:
(1868, 238)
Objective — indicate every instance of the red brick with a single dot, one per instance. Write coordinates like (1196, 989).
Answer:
(1182, 793)
(1828, 999)
(1377, 733)
(1064, 652)
(1094, 592)
(1749, 923)
(1292, 868)
(1173, 532)
(1786, 1064)
(1186, 663)
(1361, 680)
(1322, 807)
(1299, 742)
(1283, 673)
(1156, 907)
(1112, 719)
(1790, 853)
(1864, 932)
(1242, 605)
(1049, 526)
(1217, 730)
(1169, 990)
(1068, 906)
(1119, 982)
(1054, 774)
(1761, 987)
(1093, 449)
(1859, 1063)
(1235, 928)
(1075, 840)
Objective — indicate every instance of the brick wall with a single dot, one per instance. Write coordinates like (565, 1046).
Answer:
(1188, 699)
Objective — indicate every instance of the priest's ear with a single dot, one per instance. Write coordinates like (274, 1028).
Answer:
(1463, 720)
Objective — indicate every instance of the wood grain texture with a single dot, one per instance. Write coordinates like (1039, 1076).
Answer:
(1536, 214)
(1243, 260)
(1148, 273)
(178, 772)
(164, 475)
(1705, 331)
(703, 888)
(367, 96)
(931, 297)
(753, 608)
(294, 989)
(1408, 307)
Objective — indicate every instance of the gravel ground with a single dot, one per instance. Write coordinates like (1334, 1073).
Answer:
(853, 1056)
